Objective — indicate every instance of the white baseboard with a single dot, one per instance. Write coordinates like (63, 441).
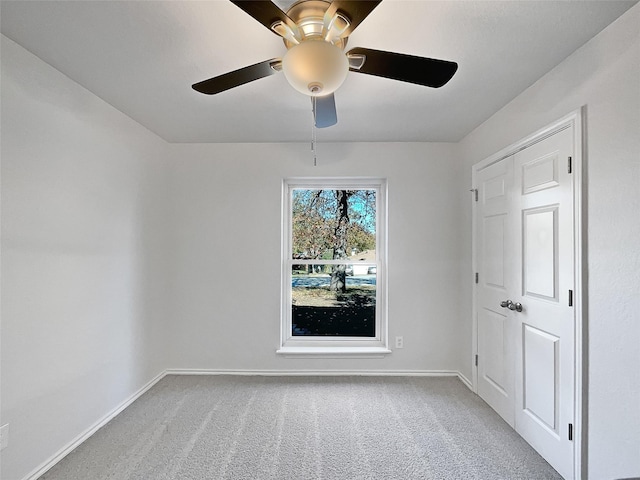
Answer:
(63, 452)
(466, 381)
(299, 372)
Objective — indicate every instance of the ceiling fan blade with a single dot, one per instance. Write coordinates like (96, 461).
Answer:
(405, 68)
(268, 14)
(324, 111)
(355, 10)
(238, 77)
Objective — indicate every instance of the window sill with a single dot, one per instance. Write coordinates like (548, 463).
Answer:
(334, 352)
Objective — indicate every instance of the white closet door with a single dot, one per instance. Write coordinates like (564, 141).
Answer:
(525, 318)
(545, 282)
(496, 332)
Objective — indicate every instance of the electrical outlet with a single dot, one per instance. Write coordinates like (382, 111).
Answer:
(399, 342)
(4, 436)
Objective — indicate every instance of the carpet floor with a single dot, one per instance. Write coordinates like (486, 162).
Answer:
(303, 428)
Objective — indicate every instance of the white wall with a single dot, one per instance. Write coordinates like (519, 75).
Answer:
(604, 76)
(226, 252)
(83, 277)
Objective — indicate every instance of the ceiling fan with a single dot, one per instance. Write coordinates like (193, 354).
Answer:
(315, 33)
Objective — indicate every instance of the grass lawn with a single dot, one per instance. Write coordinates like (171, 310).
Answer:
(323, 297)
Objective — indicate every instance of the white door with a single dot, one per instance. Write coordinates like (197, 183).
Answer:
(525, 317)
(545, 344)
(496, 332)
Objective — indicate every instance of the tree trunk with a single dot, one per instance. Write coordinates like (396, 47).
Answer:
(338, 275)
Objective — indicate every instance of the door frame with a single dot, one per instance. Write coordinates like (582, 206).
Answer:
(573, 120)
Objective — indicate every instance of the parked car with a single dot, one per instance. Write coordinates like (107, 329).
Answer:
(372, 270)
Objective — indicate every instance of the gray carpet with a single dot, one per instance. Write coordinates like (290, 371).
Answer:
(230, 427)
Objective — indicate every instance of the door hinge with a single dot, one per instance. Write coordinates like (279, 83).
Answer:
(477, 277)
(571, 431)
(571, 298)
(476, 360)
(569, 169)
(475, 193)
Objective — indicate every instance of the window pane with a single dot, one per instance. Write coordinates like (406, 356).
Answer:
(333, 300)
(333, 224)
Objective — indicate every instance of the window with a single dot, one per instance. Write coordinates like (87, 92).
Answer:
(334, 267)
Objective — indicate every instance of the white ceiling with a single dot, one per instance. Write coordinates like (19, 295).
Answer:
(143, 56)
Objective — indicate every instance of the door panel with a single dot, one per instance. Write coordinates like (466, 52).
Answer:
(540, 392)
(540, 174)
(494, 191)
(540, 252)
(493, 254)
(493, 342)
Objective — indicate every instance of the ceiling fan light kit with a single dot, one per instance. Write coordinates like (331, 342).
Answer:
(315, 67)
(315, 33)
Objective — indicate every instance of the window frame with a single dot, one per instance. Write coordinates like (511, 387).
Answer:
(323, 346)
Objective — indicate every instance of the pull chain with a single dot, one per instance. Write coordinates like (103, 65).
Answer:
(313, 132)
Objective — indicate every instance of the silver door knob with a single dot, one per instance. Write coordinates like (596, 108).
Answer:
(515, 306)
(511, 306)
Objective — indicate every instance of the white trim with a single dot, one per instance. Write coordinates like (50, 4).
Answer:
(334, 352)
(580, 286)
(319, 373)
(572, 120)
(67, 449)
(465, 380)
(568, 121)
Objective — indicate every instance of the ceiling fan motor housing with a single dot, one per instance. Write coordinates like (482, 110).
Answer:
(316, 64)
(309, 16)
